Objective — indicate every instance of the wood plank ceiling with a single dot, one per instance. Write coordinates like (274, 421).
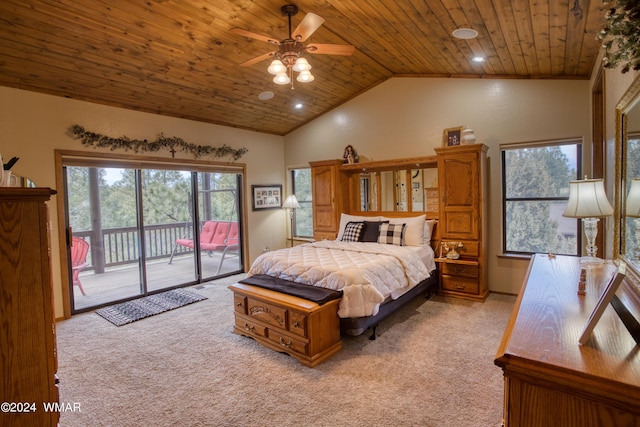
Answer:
(178, 58)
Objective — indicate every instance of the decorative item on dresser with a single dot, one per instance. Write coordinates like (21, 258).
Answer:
(28, 356)
(549, 378)
(587, 200)
(463, 219)
(452, 136)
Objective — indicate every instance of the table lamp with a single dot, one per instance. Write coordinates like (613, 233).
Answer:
(632, 208)
(587, 200)
(290, 204)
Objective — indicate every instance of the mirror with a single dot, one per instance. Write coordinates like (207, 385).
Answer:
(404, 190)
(401, 185)
(387, 191)
(369, 191)
(627, 180)
(402, 204)
(417, 190)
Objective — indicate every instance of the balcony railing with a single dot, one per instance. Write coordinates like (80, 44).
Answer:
(119, 246)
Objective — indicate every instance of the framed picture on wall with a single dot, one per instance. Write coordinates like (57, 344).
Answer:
(452, 136)
(266, 196)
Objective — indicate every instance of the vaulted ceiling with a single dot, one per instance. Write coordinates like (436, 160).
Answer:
(179, 58)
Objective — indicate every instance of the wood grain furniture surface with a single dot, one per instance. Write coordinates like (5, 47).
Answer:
(462, 178)
(301, 328)
(329, 198)
(549, 378)
(27, 328)
(461, 209)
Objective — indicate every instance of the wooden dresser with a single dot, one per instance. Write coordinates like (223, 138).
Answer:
(462, 178)
(549, 378)
(284, 323)
(27, 328)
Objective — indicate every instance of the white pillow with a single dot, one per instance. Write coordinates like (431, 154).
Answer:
(414, 233)
(428, 230)
(346, 218)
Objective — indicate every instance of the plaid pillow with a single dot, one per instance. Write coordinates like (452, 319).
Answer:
(371, 231)
(391, 234)
(352, 232)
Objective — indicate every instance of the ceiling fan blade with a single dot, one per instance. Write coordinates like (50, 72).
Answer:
(257, 59)
(251, 35)
(331, 49)
(308, 26)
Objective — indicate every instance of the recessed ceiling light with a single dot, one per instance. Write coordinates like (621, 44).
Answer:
(298, 106)
(478, 59)
(265, 96)
(465, 33)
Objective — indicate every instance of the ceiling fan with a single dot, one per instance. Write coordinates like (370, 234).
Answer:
(289, 56)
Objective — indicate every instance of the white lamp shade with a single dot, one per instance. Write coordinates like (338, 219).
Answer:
(276, 67)
(587, 199)
(282, 79)
(305, 77)
(633, 199)
(291, 203)
(300, 65)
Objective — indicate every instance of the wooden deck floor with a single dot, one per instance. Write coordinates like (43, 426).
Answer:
(119, 283)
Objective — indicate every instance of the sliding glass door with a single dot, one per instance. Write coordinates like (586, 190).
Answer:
(166, 212)
(136, 231)
(218, 206)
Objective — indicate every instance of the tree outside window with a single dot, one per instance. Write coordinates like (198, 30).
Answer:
(535, 193)
(303, 216)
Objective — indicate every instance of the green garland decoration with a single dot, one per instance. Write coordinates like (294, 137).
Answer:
(172, 143)
(621, 35)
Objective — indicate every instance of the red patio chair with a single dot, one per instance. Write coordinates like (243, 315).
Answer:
(230, 244)
(206, 235)
(79, 251)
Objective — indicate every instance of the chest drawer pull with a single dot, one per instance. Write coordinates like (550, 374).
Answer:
(285, 344)
(460, 286)
(249, 328)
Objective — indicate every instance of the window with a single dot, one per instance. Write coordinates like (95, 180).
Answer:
(303, 216)
(535, 188)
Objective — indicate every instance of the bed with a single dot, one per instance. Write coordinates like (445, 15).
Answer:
(377, 263)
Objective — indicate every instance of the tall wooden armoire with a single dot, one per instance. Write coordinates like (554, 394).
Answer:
(28, 355)
(462, 178)
(329, 195)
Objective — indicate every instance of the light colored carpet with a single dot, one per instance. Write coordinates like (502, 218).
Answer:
(432, 365)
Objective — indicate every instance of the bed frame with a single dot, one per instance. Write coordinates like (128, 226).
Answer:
(355, 326)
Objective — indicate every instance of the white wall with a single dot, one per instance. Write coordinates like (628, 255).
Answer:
(405, 117)
(32, 125)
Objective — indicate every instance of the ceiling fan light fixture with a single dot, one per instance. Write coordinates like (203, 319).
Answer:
(282, 78)
(276, 67)
(305, 77)
(465, 33)
(301, 65)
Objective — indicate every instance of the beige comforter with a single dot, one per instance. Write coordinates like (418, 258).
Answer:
(367, 273)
